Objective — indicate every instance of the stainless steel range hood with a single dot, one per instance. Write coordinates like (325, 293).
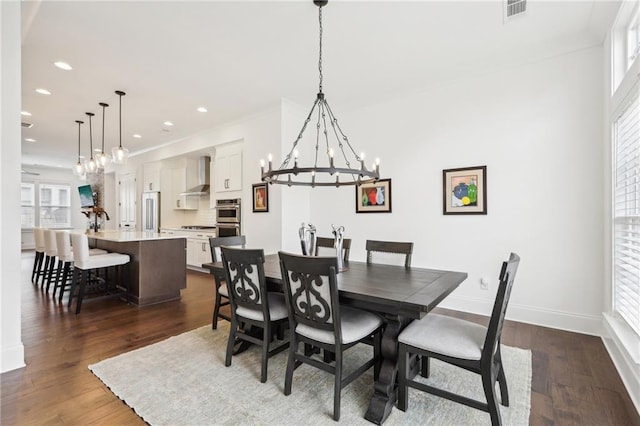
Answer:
(203, 178)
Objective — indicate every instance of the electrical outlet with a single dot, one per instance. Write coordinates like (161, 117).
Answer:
(484, 284)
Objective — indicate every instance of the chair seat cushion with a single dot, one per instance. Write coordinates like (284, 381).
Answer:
(356, 324)
(97, 251)
(446, 335)
(103, 261)
(223, 289)
(277, 309)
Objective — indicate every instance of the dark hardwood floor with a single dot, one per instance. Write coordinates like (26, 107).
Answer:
(574, 381)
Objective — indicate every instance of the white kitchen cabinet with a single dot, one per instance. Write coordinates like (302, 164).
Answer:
(151, 176)
(228, 169)
(182, 179)
(198, 248)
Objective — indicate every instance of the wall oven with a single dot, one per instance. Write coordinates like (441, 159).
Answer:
(228, 214)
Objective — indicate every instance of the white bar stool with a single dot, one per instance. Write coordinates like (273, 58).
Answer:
(83, 264)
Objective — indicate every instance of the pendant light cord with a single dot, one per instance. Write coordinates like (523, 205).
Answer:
(79, 124)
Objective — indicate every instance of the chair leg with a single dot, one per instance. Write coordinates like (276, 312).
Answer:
(377, 354)
(47, 260)
(74, 283)
(56, 278)
(425, 364)
(291, 363)
(488, 383)
(83, 283)
(266, 339)
(337, 386)
(36, 263)
(232, 339)
(38, 268)
(502, 380)
(216, 311)
(403, 390)
(65, 277)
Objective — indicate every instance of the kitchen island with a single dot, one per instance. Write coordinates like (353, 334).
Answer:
(158, 263)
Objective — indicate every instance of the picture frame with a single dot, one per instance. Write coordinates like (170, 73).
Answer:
(260, 197)
(374, 197)
(464, 190)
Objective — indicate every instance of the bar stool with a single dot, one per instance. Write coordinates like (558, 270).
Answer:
(65, 260)
(38, 235)
(83, 264)
(51, 252)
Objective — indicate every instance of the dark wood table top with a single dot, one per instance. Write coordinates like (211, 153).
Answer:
(396, 290)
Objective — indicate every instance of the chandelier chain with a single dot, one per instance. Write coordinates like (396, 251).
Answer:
(320, 55)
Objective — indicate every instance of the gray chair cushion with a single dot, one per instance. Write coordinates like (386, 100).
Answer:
(223, 289)
(355, 325)
(277, 309)
(445, 335)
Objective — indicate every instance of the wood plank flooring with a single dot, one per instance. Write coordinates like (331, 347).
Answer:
(574, 381)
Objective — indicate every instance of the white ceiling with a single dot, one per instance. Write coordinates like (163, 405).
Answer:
(237, 58)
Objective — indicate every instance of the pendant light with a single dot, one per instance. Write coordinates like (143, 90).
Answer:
(329, 165)
(103, 159)
(91, 166)
(78, 169)
(120, 154)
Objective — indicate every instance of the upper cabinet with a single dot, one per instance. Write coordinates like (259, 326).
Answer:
(151, 178)
(227, 174)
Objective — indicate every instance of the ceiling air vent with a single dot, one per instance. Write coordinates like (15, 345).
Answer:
(513, 8)
(27, 125)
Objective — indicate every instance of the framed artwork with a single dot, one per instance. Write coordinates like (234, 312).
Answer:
(260, 197)
(374, 197)
(464, 191)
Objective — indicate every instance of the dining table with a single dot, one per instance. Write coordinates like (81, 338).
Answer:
(399, 294)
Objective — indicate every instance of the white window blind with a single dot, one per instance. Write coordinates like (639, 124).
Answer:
(55, 205)
(626, 212)
(27, 205)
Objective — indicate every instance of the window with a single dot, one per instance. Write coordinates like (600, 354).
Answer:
(633, 38)
(626, 214)
(55, 206)
(28, 205)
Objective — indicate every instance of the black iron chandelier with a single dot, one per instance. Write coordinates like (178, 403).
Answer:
(340, 167)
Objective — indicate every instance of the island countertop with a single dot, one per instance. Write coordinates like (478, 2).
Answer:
(131, 236)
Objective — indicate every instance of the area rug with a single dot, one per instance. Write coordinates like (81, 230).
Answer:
(183, 381)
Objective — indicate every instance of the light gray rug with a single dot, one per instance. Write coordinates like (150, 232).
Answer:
(183, 381)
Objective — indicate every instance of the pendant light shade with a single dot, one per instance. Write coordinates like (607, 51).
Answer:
(339, 165)
(91, 166)
(103, 159)
(120, 154)
(78, 168)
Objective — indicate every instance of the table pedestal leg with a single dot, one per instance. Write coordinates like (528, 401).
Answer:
(385, 388)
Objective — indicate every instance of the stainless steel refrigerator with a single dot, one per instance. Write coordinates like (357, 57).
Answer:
(151, 211)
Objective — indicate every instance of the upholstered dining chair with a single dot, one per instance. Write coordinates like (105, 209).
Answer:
(464, 344)
(222, 293)
(51, 258)
(327, 243)
(251, 305)
(392, 247)
(316, 318)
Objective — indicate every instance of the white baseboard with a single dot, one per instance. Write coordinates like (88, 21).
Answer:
(12, 358)
(624, 351)
(584, 324)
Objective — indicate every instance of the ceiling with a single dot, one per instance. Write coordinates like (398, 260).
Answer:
(237, 58)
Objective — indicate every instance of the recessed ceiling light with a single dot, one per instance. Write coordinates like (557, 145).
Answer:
(43, 91)
(29, 140)
(27, 113)
(97, 150)
(81, 156)
(202, 109)
(168, 123)
(137, 136)
(63, 65)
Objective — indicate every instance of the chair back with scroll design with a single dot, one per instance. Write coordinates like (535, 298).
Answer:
(328, 243)
(390, 247)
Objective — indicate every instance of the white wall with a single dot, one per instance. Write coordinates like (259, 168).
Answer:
(11, 347)
(538, 129)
